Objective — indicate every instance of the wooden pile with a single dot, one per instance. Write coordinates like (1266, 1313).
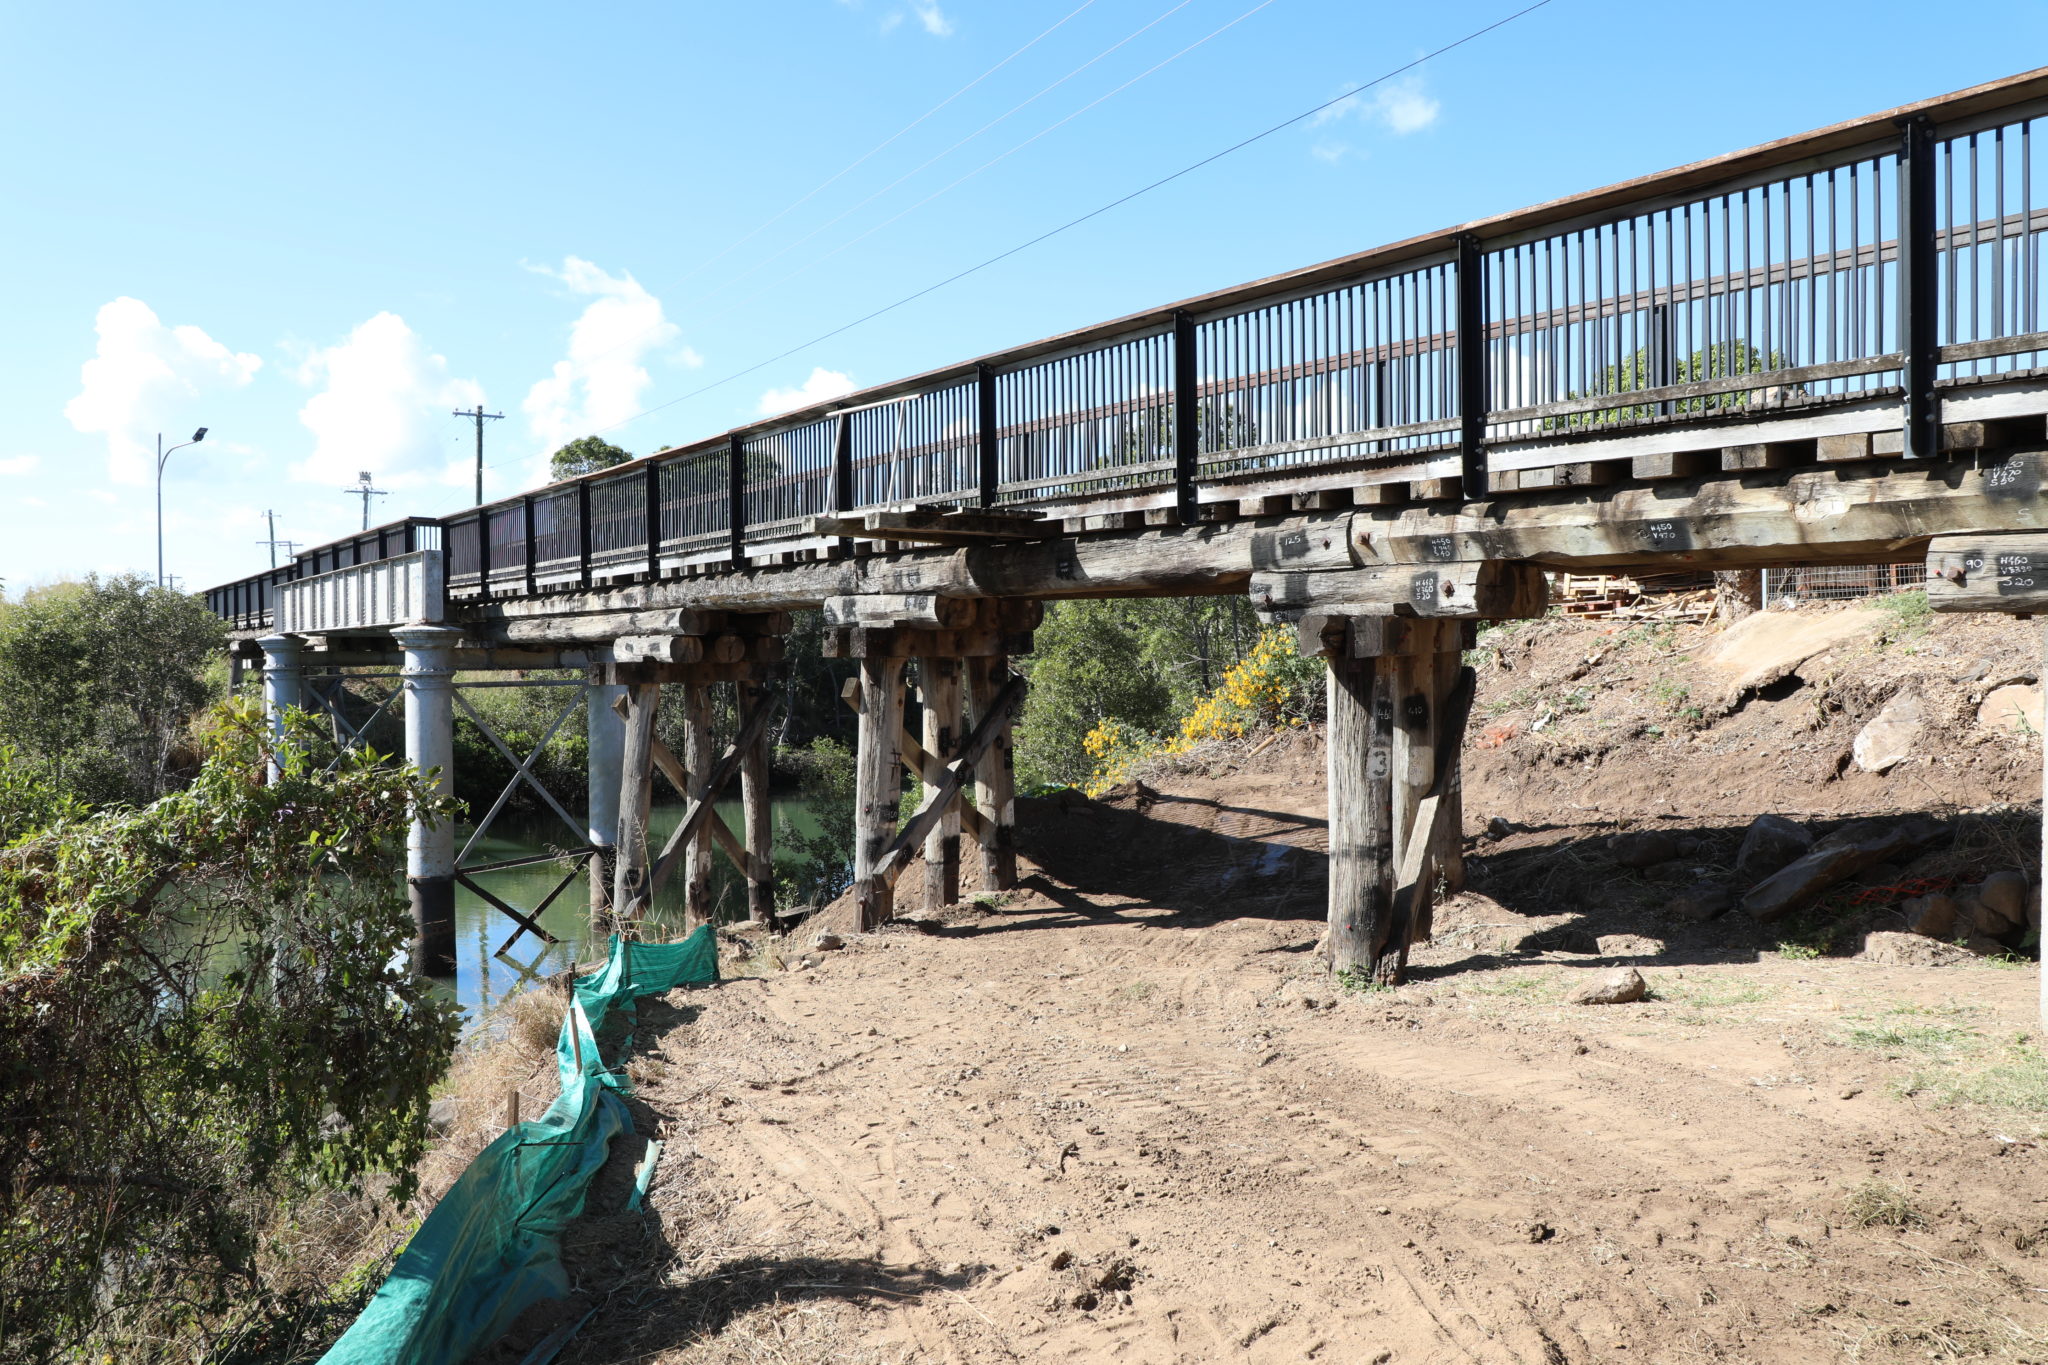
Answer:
(1644, 597)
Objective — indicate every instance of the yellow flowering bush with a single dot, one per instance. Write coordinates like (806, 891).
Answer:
(1271, 686)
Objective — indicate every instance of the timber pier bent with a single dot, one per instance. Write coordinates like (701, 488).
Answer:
(1826, 349)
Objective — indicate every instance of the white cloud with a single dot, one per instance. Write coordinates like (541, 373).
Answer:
(935, 23)
(20, 464)
(146, 377)
(600, 382)
(1401, 107)
(385, 407)
(823, 384)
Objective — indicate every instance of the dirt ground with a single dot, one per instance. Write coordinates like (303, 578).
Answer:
(1121, 1114)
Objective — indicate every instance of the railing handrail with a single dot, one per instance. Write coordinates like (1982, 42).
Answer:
(1447, 254)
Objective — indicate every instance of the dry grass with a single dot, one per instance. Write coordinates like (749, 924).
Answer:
(1875, 1203)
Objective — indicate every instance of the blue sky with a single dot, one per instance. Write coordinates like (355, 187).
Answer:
(318, 230)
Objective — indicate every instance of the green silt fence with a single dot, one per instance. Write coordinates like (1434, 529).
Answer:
(490, 1248)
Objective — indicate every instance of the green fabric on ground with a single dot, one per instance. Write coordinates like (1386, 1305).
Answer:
(489, 1249)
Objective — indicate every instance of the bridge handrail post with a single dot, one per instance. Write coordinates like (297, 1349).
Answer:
(1470, 332)
(483, 551)
(532, 550)
(1919, 306)
(653, 492)
(1187, 419)
(988, 434)
(736, 498)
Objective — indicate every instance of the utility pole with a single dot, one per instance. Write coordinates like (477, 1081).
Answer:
(273, 542)
(363, 490)
(479, 416)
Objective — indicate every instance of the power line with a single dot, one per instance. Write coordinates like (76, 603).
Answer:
(886, 142)
(270, 518)
(1048, 129)
(940, 156)
(1091, 214)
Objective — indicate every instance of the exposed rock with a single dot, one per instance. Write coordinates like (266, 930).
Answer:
(1842, 854)
(1644, 848)
(1889, 736)
(1910, 950)
(1616, 988)
(1770, 842)
(1930, 916)
(827, 941)
(2005, 894)
(1985, 947)
(1700, 902)
(1768, 645)
(2015, 707)
(1499, 827)
(441, 1115)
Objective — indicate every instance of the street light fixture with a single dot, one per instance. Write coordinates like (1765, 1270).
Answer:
(161, 456)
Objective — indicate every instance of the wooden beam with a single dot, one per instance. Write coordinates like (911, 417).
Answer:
(926, 610)
(1997, 573)
(1492, 590)
(631, 882)
(993, 821)
(704, 792)
(889, 863)
(1359, 755)
(758, 817)
(877, 785)
(697, 759)
(943, 715)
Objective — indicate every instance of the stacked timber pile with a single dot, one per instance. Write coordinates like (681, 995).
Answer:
(1685, 596)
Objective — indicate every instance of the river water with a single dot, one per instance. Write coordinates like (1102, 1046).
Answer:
(483, 978)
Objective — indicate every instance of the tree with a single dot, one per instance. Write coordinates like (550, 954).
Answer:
(205, 1013)
(585, 455)
(1089, 666)
(101, 679)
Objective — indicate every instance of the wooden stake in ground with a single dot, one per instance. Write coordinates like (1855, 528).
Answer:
(878, 786)
(943, 731)
(630, 891)
(995, 785)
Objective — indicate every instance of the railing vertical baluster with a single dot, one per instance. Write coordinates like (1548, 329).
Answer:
(989, 437)
(736, 498)
(652, 516)
(1471, 343)
(1187, 419)
(1918, 262)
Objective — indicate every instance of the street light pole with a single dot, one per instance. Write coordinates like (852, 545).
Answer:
(161, 456)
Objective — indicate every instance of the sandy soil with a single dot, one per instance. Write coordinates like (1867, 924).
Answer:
(1122, 1115)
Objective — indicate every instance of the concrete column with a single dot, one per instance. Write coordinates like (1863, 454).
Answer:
(430, 746)
(284, 684)
(606, 729)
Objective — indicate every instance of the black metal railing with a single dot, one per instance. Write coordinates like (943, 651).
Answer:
(1872, 261)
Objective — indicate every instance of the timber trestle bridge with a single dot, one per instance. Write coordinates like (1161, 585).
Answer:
(1825, 349)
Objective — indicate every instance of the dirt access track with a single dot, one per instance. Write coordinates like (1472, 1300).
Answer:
(1122, 1115)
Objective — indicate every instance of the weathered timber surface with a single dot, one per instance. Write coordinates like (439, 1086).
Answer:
(2004, 573)
(1494, 590)
(877, 787)
(1359, 755)
(759, 820)
(994, 776)
(1838, 513)
(928, 610)
(630, 893)
(944, 729)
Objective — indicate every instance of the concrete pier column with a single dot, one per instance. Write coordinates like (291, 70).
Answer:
(430, 746)
(605, 728)
(284, 684)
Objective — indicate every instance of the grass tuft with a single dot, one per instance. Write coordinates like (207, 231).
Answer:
(1875, 1203)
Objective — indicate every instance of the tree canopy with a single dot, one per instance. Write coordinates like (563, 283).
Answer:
(585, 455)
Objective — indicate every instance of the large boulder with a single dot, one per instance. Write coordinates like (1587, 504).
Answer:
(1889, 737)
(1770, 842)
(1700, 902)
(1616, 988)
(1842, 854)
(1930, 916)
(2002, 903)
